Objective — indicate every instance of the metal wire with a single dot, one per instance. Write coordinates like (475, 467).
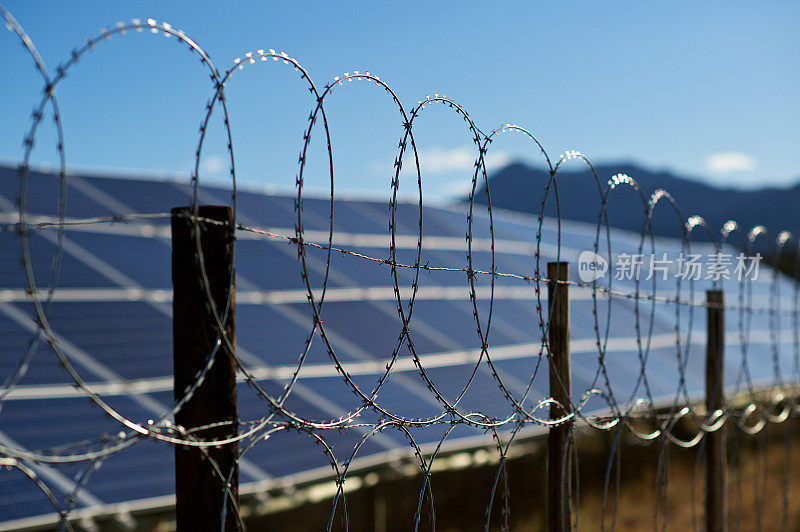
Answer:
(679, 422)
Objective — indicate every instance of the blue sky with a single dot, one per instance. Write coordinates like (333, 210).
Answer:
(710, 90)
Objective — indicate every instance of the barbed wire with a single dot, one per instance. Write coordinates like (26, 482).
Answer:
(680, 421)
(276, 234)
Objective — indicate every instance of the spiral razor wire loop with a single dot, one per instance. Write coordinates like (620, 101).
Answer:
(637, 414)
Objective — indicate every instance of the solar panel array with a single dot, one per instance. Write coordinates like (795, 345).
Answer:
(112, 316)
(86, 403)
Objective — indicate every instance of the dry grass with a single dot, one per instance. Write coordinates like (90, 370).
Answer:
(763, 490)
(764, 473)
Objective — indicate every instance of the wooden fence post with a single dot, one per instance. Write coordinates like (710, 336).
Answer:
(559, 459)
(716, 466)
(200, 492)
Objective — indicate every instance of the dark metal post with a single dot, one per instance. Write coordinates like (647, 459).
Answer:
(716, 468)
(200, 491)
(559, 460)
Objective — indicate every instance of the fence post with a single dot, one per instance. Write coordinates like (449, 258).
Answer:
(716, 468)
(199, 490)
(559, 460)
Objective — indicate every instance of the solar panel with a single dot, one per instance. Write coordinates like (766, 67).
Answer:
(112, 315)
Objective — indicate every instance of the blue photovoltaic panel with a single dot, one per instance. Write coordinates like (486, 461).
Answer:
(22, 498)
(113, 306)
(349, 218)
(43, 195)
(274, 336)
(51, 423)
(146, 261)
(375, 330)
(145, 477)
(354, 271)
(149, 197)
(404, 392)
(263, 210)
(361, 217)
(43, 366)
(112, 332)
(454, 320)
(269, 265)
(43, 251)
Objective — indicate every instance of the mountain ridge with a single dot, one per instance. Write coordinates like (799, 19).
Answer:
(521, 188)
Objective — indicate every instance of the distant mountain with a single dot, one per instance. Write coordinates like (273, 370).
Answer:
(521, 188)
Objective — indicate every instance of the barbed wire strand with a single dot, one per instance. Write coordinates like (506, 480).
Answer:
(679, 423)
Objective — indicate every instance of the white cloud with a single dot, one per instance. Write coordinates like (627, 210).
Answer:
(440, 160)
(213, 164)
(458, 189)
(730, 161)
(498, 159)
